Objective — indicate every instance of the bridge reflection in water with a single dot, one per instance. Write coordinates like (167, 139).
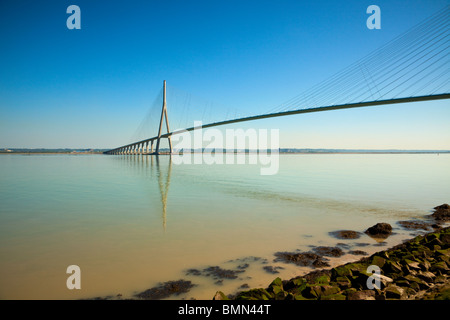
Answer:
(151, 167)
(163, 185)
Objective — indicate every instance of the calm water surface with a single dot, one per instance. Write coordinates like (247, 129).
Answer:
(133, 222)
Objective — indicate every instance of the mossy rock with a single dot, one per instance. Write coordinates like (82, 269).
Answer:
(415, 286)
(440, 279)
(341, 271)
(417, 240)
(402, 283)
(444, 252)
(300, 297)
(289, 296)
(299, 282)
(220, 296)
(309, 292)
(425, 252)
(444, 259)
(343, 282)
(360, 281)
(362, 295)
(426, 276)
(349, 291)
(432, 236)
(336, 296)
(411, 264)
(444, 295)
(255, 294)
(317, 290)
(425, 265)
(392, 267)
(383, 254)
(378, 261)
(358, 267)
(410, 291)
(283, 295)
(323, 280)
(408, 256)
(276, 286)
(441, 265)
(349, 270)
(394, 292)
(395, 254)
(422, 284)
(295, 285)
(329, 290)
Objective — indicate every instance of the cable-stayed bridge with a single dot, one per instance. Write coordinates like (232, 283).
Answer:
(412, 67)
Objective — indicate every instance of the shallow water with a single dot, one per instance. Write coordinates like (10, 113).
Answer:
(132, 222)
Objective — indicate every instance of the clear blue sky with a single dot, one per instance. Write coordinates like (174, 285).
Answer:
(91, 88)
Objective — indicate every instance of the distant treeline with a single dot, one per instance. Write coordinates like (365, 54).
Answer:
(281, 150)
(43, 150)
(293, 150)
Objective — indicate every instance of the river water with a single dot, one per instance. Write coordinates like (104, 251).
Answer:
(132, 222)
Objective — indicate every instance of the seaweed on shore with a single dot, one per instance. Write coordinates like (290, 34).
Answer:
(166, 289)
(218, 273)
(416, 269)
(306, 259)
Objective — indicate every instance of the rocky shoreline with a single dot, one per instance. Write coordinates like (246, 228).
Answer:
(416, 269)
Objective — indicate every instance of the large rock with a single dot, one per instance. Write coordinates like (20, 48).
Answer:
(308, 259)
(255, 294)
(441, 213)
(362, 295)
(345, 234)
(220, 296)
(394, 292)
(416, 225)
(329, 251)
(166, 289)
(380, 230)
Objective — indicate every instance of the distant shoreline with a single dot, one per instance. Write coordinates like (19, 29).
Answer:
(281, 151)
(37, 153)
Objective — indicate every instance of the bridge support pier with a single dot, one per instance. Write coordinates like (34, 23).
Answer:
(163, 115)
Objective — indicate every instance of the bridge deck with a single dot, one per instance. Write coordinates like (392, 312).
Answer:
(292, 112)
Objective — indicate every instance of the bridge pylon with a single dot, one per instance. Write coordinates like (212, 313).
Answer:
(163, 116)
